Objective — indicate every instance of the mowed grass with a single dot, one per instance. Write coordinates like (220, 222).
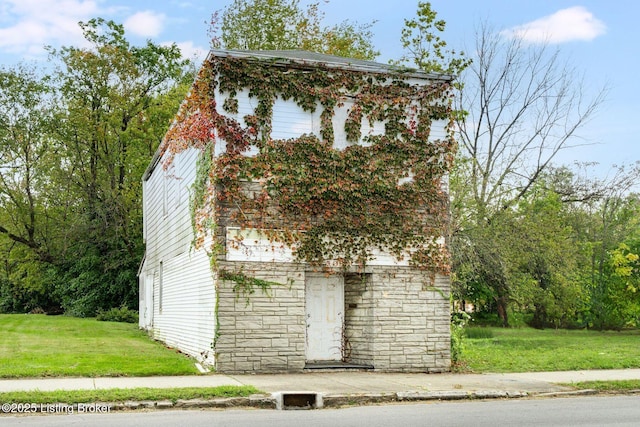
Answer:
(608, 386)
(123, 395)
(42, 346)
(533, 350)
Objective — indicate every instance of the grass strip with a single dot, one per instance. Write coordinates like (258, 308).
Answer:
(605, 386)
(123, 395)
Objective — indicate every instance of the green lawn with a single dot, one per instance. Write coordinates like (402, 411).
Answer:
(608, 386)
(528, 350)
(122, 395)
(38, 346)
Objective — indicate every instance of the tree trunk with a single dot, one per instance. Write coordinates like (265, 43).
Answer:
(501, 305)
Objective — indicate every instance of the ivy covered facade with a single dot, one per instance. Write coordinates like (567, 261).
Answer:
(296, 216)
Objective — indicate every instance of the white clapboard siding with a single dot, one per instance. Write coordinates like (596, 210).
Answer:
(166, 208)
(290, 121)
(181, 309)
(184, 305)
(254, 245)
(438, 130)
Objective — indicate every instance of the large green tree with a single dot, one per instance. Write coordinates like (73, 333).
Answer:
(25, 147)
(424, 46)
(114, 102)
(524, 105)
(28, 216)
(73, 147)
(542, 255)
(283, 25)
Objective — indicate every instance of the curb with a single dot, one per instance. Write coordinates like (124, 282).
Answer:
(339, 400)
(584, 392)
(259, 401)
(274, 401)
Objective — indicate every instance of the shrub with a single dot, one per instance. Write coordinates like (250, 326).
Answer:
(458, 322)
(485, 318)
(121, 314)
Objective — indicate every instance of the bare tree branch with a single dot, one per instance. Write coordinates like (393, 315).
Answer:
(525, 105)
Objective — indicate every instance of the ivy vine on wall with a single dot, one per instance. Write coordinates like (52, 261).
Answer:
(334, 206)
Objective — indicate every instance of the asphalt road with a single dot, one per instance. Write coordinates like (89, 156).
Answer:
(575, 411)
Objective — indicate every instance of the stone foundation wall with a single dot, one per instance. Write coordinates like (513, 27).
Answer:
(358, 320)
(265, 333)
(411, 322)
(396, 319)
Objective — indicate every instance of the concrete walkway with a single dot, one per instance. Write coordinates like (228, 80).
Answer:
(342, 383)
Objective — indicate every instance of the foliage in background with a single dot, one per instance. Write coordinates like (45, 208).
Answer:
(74, 146)
(513, 242)
(283, 25)
(557, 256)
(119, 314)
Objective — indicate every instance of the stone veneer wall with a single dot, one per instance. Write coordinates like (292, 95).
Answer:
(396, 319)
(358, 318)
(411, 324)
(267, 333)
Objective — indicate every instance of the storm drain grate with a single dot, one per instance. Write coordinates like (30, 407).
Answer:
(299, 400)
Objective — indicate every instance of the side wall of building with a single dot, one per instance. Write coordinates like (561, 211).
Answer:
(177, 288)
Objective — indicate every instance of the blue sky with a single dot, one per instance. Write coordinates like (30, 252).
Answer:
(602, 40)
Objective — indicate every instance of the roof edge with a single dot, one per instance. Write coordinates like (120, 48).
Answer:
(310, 59)
(152, 164)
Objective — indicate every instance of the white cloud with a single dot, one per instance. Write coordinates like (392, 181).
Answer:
(574, 23)
(189, 51)
(145, 24)
(26, 26)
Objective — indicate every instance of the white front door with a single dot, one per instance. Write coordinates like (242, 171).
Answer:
(325, 317)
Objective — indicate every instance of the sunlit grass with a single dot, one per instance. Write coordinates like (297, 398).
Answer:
(123, 395)
(532, 350)
(605, 386)
(40, 346)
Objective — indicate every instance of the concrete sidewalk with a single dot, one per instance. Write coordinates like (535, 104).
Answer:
(341, 383)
